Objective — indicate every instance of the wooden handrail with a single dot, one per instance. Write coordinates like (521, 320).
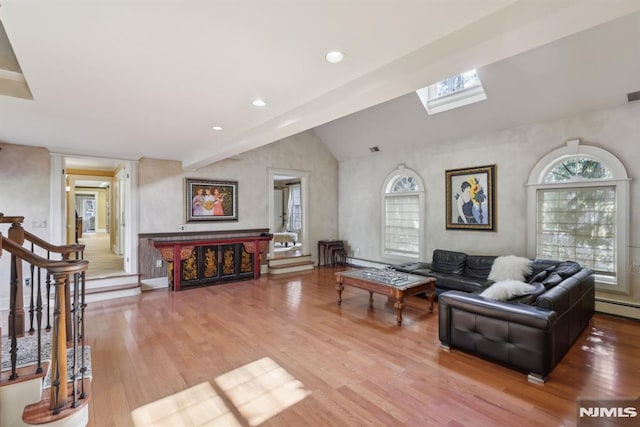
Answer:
(64, 266)
(65, 250)
(60, 249)
(11, 219)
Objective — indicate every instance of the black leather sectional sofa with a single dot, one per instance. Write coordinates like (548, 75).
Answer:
(453, 270)
(530, 333)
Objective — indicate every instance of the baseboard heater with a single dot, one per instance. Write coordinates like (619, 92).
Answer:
(618, 308)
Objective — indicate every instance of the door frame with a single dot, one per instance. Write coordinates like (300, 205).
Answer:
(276, 174)
(60, 203)
(95, 201)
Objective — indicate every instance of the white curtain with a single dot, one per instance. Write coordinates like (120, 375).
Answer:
(294, 210)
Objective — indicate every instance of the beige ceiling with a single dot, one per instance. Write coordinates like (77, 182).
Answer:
(142, 78)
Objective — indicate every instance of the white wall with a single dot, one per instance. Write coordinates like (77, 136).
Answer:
(161, 185)
(515, 152)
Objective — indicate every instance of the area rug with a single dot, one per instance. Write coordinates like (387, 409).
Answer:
(27, 351)
(28, 355)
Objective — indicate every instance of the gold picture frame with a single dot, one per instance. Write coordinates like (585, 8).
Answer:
(471, 198)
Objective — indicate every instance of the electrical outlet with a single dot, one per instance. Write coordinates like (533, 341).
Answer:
(182, 227)
(159, 263)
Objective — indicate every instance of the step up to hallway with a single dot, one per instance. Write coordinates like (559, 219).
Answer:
(293, 264)
(104, 288)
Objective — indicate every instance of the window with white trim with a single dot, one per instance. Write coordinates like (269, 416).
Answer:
(578, 199)
(402, 214)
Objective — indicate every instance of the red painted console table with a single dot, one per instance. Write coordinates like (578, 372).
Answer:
(206, 260)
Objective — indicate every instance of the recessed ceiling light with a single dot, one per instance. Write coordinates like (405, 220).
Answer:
(216, 127)
(334, 57)
(259, 103)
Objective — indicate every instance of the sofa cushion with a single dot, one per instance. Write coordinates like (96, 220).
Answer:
(478, 266)
(457, 282)
(538, 265)
(510, 267)
(567, 268)
(506, 290)
(530, 297)
(411, 267)
(539, 277)
(556, 274)
(551, 280)
(448, 261)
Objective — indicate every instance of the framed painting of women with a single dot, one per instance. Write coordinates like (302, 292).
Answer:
(471, 195)
(211, 200)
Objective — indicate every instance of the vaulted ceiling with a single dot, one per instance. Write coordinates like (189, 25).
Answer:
(143, 78)
(591, 70)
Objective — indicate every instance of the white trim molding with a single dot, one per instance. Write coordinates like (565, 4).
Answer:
(619, 178)
(386, 191)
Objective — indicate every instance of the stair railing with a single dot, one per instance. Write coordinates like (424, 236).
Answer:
(64, 273)
(41, 247)
(65, 252)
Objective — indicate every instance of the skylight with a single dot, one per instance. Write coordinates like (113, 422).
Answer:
(456, 91)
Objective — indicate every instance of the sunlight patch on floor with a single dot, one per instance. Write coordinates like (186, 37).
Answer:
(199, 405)
(258, 391)
(261, 389)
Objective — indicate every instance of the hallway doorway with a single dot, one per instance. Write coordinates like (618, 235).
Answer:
(278, 179)
(98, 194)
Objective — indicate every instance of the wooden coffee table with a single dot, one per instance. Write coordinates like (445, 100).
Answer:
(385, 282)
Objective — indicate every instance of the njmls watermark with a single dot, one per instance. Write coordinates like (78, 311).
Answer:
(617, 412)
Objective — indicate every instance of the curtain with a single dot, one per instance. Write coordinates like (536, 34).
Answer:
(294, 210)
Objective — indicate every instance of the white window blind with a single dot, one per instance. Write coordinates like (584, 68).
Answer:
(402, 224)
(578, 224)
(296, 207)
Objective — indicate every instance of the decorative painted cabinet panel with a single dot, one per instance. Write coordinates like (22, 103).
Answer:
(216, 263)
(192, 263)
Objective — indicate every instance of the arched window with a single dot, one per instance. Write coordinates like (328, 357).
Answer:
(403, 214)
(578, 210)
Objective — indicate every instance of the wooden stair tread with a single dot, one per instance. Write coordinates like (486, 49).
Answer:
(40, 413)
(25, 373)
(112, 288)
(292, 264)
(281, 257)
(117, 276)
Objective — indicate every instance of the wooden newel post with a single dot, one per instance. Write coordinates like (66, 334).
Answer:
(16, 235)
(1, 214)
(59, 347)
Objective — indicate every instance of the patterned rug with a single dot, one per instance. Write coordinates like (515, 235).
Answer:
(28, 355)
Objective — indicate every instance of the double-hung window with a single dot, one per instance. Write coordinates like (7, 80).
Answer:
(578, 199)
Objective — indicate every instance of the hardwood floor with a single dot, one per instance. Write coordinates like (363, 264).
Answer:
(278, 351)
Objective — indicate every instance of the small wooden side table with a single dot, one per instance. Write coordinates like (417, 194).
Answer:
(324, 249)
